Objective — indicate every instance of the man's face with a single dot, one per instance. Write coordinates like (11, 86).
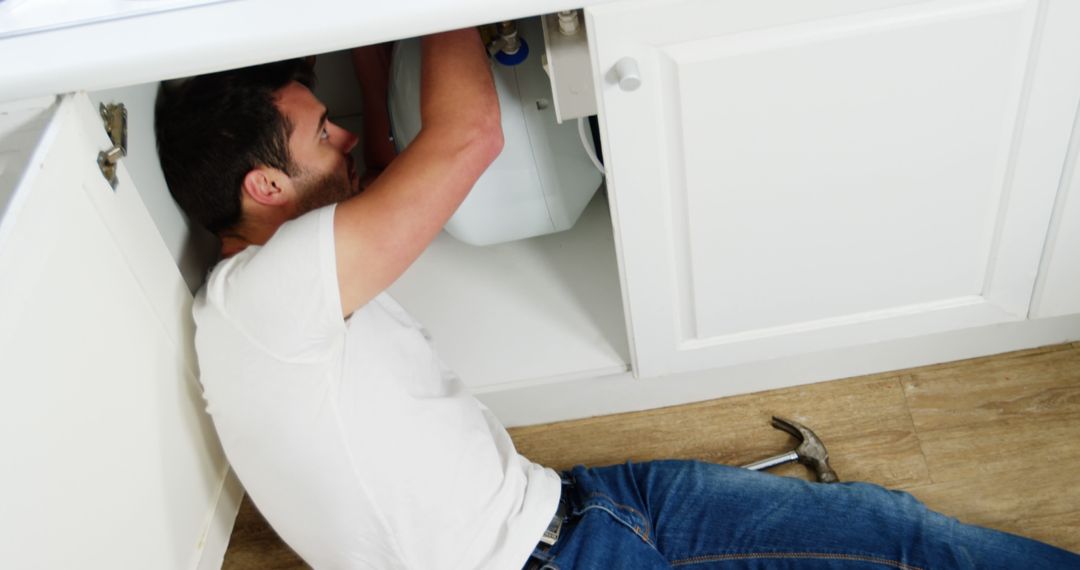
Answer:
(319, 149)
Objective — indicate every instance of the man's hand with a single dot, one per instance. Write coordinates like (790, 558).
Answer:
(381, 231)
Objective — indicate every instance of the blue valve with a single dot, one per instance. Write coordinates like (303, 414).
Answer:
(511, 59)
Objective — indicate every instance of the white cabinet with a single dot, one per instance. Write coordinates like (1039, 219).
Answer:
(109, 460)
(798, 191)
(793, 177)
(1058, 290)
(790, 178)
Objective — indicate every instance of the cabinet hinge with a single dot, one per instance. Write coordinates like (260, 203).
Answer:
(114, 116)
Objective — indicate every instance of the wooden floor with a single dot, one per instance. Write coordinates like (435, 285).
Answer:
(992, 441)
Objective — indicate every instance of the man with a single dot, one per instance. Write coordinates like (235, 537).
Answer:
(362, 449)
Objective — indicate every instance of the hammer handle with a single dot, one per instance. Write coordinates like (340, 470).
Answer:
(772, 461)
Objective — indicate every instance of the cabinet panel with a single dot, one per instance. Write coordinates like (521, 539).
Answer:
(102, 425)
(22, 124)
(868, 172)
(1058, 290)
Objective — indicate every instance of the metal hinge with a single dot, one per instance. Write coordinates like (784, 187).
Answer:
(115, 119)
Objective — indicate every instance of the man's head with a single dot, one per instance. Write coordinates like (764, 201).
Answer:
(251, 144)
(319, 149)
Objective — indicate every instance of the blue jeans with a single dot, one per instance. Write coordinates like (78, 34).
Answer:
(685, 514)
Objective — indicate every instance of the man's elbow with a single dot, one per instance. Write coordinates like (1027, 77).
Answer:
(485, 139)
(492, 140)
(487, 125)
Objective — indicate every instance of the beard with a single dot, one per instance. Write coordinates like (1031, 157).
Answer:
(321, 190)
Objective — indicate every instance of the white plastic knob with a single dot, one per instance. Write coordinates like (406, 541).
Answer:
(626, 71)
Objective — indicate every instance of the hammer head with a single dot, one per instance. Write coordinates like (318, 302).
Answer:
(811, 451)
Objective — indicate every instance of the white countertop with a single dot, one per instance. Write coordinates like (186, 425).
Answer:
(145, 47)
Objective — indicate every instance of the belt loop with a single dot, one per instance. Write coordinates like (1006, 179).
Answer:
(562, 511)
(551, 535)
(555, 527)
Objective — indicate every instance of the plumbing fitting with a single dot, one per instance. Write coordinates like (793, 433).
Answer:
(568, 22)
(508, 48)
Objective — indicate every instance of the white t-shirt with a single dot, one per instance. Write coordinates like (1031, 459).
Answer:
(356, 443)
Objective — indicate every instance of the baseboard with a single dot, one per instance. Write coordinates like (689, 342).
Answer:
(566, 400)
(220, 525)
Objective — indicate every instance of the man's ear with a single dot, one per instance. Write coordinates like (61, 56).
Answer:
(267, 186)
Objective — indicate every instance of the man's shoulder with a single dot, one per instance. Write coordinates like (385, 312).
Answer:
(290, 249)
(218, 278)
(282, 295)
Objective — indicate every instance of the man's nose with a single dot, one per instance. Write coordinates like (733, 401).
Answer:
(343, 138)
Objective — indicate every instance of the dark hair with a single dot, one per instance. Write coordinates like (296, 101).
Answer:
(213, 129)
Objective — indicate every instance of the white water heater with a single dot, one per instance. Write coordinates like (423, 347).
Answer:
(542, 180)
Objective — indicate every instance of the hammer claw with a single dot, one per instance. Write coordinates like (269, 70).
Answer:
(788, 426)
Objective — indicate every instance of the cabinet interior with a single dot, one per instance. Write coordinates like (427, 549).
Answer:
(524, 312)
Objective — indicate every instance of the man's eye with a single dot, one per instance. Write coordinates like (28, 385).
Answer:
(324, 134)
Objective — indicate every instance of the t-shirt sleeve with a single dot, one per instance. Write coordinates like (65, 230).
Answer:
(284, 294)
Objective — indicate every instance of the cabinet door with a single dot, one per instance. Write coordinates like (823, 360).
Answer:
(108, 458)
(799, 176)
(1057, 293)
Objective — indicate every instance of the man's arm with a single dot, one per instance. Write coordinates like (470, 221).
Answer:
(372, 66)
(381, 231)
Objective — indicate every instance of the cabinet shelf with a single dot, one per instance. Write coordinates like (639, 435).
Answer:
(542, 309)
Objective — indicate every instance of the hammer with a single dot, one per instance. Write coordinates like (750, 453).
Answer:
(810, 452)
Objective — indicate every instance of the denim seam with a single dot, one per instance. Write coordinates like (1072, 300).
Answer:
(795, 555)
(633, 528)
(644, 531)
